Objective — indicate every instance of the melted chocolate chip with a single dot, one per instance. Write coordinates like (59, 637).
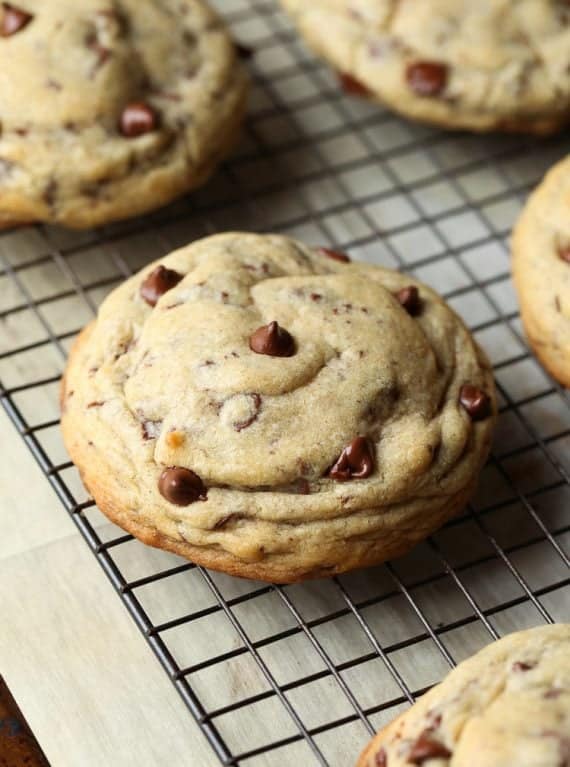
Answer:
(426, 748)
(272, 340)
(427, 78)
(150, 430)
(181, 486)
(13, 20)
(335, 255)
(244, 52)
(552, 694)
(410, 299)
(102, 55)
(256, 401)
(137, 119)
(475, 402)
(224, 521)
(158, 282)
(381, 760)
(351, 85)
(355, 461)
(520, 665)
(564, 253)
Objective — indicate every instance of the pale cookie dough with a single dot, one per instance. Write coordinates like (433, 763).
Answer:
(270, 410)
(485, 65)
(541, 271)
(111, 108)
(507, 706)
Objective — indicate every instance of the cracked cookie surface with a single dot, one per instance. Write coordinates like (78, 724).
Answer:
(541, 270)
(266, 409)
(507, 705)
(489, 65)
(111, 108)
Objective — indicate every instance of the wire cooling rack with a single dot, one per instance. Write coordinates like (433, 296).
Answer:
(305, 674)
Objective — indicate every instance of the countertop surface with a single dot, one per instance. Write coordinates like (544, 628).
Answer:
(75, 662)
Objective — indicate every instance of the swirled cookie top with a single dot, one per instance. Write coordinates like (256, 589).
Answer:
(341, 354)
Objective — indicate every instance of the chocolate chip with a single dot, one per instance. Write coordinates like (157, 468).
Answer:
(410, 299)
(158, 282)
(137, 119)
(223, 521)
(552, 694)
(335, 255)
(13, 20)
(475, 402)
(244, 52)
(181, 486)
(256, 402)
(381, 760)
(50, 193)
(355, 461)
(102, 55)
(351, 85)
(564, 253)
(427, 78)
(151, 430)
(520, 665)
(315, 296)
(272, 340)
(426, 748)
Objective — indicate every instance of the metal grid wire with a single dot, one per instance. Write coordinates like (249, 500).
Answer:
(305, 674)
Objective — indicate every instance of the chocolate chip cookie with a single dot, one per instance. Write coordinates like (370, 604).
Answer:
(275, 411)
(111, 108)
(507, 706)
(486, 65)
(541, 271)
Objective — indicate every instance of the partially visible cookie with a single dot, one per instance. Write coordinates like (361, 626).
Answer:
(111, 108)
(541, 271)
(276, 412)
(507, 706)
(485, 65)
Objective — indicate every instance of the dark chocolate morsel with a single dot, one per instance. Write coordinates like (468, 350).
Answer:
(227, 519)
(520, 665)
(410, 299)
(425, 748)
(256, 402)
(335, 255)
(158, 282)
(243, 51)
(564, 253)
(181, 486)
(355, 461)
(475, 402)
(427, 78)
(272, 340)
(137, 119)
(13, 20)
(381, 760)
(351, 85)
